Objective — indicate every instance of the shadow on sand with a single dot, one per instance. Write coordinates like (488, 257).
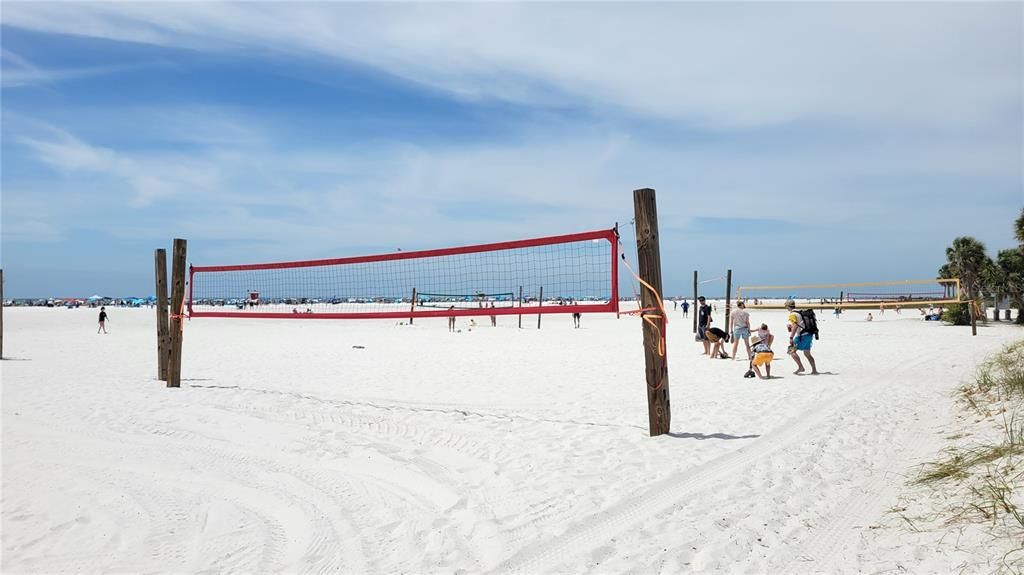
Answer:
(703, 436)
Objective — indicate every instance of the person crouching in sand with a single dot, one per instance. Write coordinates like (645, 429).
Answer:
(718, 337)
(763, 356)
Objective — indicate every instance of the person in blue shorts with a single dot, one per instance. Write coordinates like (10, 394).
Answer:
(740, 320)
(798, 340)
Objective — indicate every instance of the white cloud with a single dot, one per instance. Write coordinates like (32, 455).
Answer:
(308, 202)
(151, 178)
(32, 231)
(722, 66)
(19, 72)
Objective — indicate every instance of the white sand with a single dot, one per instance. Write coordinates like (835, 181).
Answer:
(499, 449)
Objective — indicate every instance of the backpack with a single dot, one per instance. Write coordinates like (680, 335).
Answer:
(810, 322)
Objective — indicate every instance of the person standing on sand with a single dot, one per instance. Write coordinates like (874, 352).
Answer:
(798, 340)
(703, 323)
(494, 318)
(103, 320)
(740, 320)
(451, 319)
(575, 318)
(686, 308)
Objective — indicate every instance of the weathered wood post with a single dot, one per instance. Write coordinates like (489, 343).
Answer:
(649, 263)
(177, 312)
(540, 304)
(413, 308)
(520, 307)
(163, 332)
(974, 319)
(615, 280)
(728, 288)
(694, 307)
(1, 314)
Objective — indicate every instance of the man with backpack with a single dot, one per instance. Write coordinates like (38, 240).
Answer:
(803, 328)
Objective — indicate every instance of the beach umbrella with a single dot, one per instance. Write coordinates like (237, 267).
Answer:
(95, 297)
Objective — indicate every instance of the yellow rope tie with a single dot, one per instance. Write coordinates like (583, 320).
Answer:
(650, 319)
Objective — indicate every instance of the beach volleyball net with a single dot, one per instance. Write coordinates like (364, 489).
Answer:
(574, 273)
(903, 293)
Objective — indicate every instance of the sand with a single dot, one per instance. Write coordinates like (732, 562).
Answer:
(367, 446)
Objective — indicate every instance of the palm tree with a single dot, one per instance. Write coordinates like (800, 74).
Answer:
(1011, 262)
(1019, 229)
(994, 279)
(966, 259)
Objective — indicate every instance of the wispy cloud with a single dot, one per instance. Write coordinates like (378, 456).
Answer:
(18, 72)
(721, 66)
(149, 178)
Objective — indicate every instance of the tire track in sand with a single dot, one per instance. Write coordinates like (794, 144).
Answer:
(593, 531)
(335, 544)
(821, 552)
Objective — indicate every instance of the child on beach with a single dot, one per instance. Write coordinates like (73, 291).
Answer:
(763, 356)
(764, 335)
(103, 320)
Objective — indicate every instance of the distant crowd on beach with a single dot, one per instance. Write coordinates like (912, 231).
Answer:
(75, 303)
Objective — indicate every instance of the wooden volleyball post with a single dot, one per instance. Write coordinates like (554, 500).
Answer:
(177, 312)
(694, 308)
(649, 263)
(413, 308)
(616, 279)
(728, 288)
(520, 307)
(540, 304)
(163, 332)
(974, 316)
(1, 314)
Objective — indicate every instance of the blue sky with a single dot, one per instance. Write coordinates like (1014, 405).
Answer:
(789, 142)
